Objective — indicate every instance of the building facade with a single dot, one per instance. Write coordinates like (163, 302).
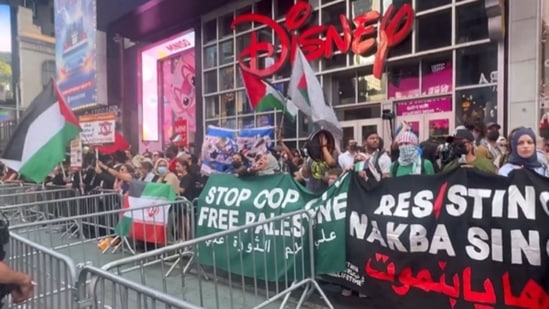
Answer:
(37, 54)
(445, 71)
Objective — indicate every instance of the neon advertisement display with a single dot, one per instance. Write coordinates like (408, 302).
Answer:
(178, 96)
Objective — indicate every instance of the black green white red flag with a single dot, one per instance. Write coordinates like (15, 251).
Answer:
(307, 94)
(39, 140)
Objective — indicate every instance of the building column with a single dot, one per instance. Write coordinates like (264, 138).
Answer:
(523, 76)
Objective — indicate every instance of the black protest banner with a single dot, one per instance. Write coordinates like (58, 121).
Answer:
(459, 240)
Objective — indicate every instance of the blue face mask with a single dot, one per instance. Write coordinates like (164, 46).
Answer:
(162, 170)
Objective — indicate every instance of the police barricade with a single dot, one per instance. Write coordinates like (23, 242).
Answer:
(55, 274)
(53, 195)
(129, 295)
(81, 236)
(213, 285)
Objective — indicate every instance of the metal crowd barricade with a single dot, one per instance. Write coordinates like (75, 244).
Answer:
(54, 273)
(53, 195)
(129, 295)
(80, 235)
(213, 287)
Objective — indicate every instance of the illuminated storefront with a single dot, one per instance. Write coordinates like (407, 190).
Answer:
(441, 68)
(167, 91)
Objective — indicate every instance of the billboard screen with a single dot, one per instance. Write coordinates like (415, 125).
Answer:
(5, 53)
(75, 51)
(170, 63)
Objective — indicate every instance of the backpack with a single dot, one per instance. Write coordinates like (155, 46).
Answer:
(395, 166)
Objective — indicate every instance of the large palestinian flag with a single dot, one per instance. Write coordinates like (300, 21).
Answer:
(146, 208)
(39, 140)
(263, 96)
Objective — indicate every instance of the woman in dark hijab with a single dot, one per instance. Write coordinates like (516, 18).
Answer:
(523, 153)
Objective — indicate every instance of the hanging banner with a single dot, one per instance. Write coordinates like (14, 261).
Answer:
(220, 144)
(460, 240)
(76, 153)
(76, 51)
(97, 129)
(181, 130)
(275, 251)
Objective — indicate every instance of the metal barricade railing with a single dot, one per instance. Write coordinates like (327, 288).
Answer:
(57, 203)
(38, 196)
(82, 236)
(213, 286)
(54, 273)
(124, 294)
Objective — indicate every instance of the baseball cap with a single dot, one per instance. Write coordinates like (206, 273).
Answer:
(493, 124)
(461, 134)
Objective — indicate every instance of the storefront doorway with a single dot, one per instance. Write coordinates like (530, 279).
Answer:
(428, 118)
(357, 129)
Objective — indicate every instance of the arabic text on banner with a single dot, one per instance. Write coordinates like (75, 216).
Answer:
(270, 252)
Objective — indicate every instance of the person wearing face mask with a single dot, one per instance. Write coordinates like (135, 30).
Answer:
(163, 174)
(463, 145)
(409, 160)
(523, 154)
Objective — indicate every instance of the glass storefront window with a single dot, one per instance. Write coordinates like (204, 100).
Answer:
(242, 41)
(242, 103)
(282, 7)
(226, 78)
(371, 88)
(359, 7)
(211, 105)
(246, 122)
(424, 5)
(210, 57)
(228, 106)
(229, 123)
(434, 30)
(344, 88)
(264, 7)
(476, 65)
(214, 123)
(403, 81)
(337, 61)
(210, 81)
(330, 15)
(226, 54)
(436, 75)
(243, 26)
(210, 31)
(476, 104)
(471, 22)
(225, 25)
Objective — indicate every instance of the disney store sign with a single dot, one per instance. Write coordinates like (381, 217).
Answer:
(367, 34)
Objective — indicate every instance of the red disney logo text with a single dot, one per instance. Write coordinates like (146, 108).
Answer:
(319, 40)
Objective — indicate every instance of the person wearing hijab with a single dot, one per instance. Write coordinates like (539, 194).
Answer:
(409, 160)
(523, 154)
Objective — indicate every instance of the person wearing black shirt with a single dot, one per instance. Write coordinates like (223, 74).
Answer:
(187, 187)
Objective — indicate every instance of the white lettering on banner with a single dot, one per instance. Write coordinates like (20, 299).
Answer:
(392, 236)
(227, 196)
(521, 204)
(276, 198)
(523, 247)
(328, 210)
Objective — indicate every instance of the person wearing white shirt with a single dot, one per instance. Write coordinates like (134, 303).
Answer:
(346, 160)
(380, 159)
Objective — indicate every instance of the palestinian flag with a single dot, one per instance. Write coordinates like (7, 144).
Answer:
(307, 94)
(263, 96)
(146, 216)
(44, 131)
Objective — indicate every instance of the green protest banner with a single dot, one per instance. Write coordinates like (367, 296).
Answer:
(280, 249)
